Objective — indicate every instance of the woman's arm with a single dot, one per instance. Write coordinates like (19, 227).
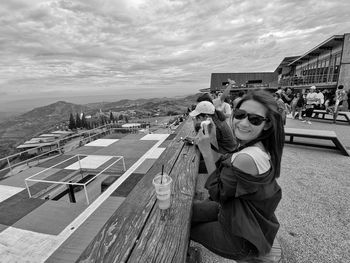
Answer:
(227, 110)
(226, 92)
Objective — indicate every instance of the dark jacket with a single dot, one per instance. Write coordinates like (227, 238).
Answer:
(248, 203)
(226, 141)
(300, 102)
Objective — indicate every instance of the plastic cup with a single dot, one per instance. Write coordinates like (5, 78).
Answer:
(163, 190)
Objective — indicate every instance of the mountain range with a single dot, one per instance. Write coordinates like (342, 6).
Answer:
(15, 130)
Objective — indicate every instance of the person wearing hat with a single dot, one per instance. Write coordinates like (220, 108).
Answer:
(223, 140)
(311, 101)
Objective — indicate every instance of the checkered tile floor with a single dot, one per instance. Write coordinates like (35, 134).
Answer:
(34, 229)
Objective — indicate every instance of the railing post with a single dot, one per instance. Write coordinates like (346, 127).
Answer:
(124, 164)
(59, 147)
(8, 161)
(86, 195)
(79, 163)
(71, 193)
(25, 181)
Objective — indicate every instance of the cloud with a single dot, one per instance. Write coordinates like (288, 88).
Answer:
(98, 46)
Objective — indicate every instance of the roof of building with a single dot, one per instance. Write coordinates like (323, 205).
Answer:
(50, 135)
(62, 132)
(44, 139)
(285, 62)
(33, 145)
(325, 45)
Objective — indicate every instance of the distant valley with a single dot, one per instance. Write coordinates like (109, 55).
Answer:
(15, 129)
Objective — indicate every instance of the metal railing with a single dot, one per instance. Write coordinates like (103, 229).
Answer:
(85, 137)
(30, 179)
(308, 80)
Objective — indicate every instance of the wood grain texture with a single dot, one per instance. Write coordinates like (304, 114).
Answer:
(134, 218)
(165, 239)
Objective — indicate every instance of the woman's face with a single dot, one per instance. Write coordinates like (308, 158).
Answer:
(243, 129)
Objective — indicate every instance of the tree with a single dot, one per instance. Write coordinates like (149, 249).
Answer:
(71, 124)
(103, 119)
(84, 123)
(77, 121)
(126, 119)
(121, 117)
(111, 117)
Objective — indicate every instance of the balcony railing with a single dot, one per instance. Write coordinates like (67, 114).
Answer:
(309, 80)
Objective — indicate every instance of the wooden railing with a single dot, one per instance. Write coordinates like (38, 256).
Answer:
(138, 231)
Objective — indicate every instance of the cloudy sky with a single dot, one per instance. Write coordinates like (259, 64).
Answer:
(62, 48)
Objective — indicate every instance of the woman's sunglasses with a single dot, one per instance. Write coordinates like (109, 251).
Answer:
(254, 119)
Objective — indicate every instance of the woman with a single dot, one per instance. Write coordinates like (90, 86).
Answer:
(340, 94)
(238, 220)
(297, 105)
(281, 106)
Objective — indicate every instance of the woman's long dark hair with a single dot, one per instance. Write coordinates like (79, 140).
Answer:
(272, 138)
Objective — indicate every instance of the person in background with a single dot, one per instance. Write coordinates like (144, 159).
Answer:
(239, 217)
(298, 105)
(212, 95)
(311, 101)
(281, 106)
(220, 103)
(328, 101)
(224, 136)
(287, 97)
(238, 99)
(279, 90)
(339, 97)
(320, 103)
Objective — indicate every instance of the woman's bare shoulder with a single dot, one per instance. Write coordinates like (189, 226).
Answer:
(246, 163)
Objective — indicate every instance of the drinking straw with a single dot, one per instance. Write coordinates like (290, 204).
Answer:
(161, 178)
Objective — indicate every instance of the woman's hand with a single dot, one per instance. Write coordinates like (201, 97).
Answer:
(202, 140)
(206, 136)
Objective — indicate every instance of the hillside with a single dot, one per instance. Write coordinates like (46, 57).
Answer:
(18, 129)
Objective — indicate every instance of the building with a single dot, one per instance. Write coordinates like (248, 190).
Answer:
(327, 65)
(250, 80)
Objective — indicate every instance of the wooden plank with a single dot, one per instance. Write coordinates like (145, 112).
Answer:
(116, 239)
(316, 134)
(345, 114)
(309, 133)
(340, 146)
(166, 239)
